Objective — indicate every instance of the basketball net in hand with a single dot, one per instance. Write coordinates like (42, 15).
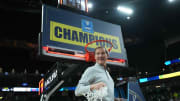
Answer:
(96, 95)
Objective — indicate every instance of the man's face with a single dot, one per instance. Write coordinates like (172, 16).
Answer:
(101, 56)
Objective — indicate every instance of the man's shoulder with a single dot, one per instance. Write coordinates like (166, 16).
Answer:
(90, 69)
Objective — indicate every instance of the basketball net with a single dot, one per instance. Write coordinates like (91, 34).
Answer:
(96, 95)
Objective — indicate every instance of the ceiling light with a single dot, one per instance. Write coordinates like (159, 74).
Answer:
(24, 84)
(128, 17)
(171, 0)
(6, 73)
(90, 5)
(125, 10)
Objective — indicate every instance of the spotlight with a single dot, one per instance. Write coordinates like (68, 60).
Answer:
(24, 84)
(6, 73)
(125, 10)
(42, 75)
(128, 17)
(90, 5)
(171, 1)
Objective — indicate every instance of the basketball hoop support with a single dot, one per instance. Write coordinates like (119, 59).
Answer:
(58, 79)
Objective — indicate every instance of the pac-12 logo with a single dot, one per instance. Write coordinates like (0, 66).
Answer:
(87, 26)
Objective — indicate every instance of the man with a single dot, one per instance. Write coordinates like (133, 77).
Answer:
(97, 76)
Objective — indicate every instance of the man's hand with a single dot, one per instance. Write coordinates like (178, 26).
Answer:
(97, 86)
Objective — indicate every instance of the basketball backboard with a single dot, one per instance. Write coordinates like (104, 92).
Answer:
(65, 34)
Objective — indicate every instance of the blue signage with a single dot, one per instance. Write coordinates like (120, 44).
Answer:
(134, 92)
(87, 26)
